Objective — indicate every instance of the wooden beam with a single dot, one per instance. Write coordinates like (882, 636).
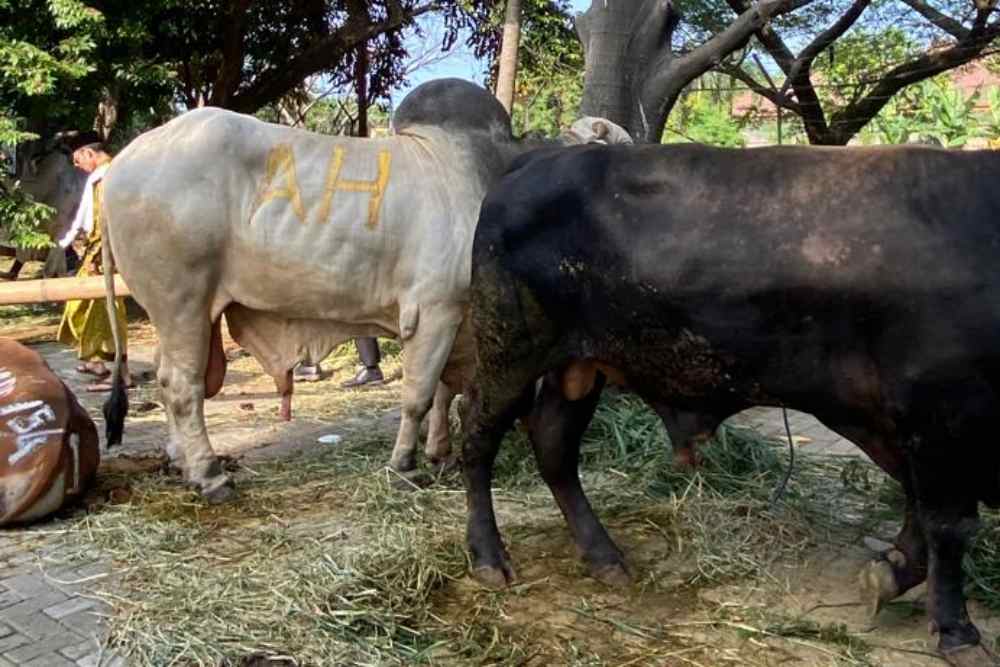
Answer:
(57, 289)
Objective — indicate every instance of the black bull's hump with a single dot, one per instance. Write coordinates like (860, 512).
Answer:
(862, 285)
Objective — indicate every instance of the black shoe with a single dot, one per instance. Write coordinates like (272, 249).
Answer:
(366, 376)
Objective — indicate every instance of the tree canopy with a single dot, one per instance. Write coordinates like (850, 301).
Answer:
(863, 51)
(121, 66)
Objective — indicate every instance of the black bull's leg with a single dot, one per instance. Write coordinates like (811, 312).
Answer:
(901, 568)
(948, 513)
(486, 422)
(557, 427)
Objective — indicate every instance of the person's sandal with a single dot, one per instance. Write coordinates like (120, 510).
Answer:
(307, 373)
(366, 377)
(90, 368)
(107, 386)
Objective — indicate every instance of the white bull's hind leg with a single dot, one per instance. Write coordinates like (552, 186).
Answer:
(438, 446)
(183, 358)
(425, 357)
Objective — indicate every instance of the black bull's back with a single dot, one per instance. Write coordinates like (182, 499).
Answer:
(858, 284)
(861, 285)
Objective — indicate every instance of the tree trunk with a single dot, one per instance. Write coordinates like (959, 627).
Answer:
(361, 87)
(605, 30)
(107, 113)
(507, 76)
(632, 76)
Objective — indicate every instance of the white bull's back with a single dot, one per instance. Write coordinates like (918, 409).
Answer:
(292, 222)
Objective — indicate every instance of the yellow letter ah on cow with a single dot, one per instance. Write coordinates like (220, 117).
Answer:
(376, 187)
(281, 165)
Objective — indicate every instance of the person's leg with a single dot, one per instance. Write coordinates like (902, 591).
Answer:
(102, 329)
(308, 372)
(368, 352)
(370, 357)
(72, 261)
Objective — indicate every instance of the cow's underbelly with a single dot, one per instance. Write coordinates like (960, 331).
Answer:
(279, 343)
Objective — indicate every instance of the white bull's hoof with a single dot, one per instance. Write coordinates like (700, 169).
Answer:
(411, 480)
(443, 466)
(878, 585)
(403, 463)
(970, 656)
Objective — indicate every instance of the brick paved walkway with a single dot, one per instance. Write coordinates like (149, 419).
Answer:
(47, 618)
(48, 614)
(807, 433)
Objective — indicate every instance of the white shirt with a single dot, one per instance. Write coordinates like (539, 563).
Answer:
(84, 219)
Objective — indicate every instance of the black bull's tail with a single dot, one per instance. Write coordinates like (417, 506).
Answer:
(116, 407)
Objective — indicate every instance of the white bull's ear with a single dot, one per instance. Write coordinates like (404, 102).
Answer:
(601, 131)
(571, 138)
(613, 133)
(593, 130)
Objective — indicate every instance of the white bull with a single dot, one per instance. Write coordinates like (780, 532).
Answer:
(305, 241)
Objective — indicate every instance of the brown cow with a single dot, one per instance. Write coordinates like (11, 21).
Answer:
(48, 444)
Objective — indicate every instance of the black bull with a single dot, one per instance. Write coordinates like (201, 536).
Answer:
(860, 285)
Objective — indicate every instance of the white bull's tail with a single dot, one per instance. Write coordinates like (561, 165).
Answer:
(116, 407)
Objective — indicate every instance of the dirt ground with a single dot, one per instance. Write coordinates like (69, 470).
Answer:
(804, 610)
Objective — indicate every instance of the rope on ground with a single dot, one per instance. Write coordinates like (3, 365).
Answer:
(780, 490)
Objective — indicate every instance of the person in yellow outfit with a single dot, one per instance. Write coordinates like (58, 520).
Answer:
(85, 324)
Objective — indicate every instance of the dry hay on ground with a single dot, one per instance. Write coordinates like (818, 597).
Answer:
(324, 561)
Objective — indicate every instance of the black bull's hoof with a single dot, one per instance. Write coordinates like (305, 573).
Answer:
(494, 577)
(614, 575)
(879, 584)
(970, 656)
(223, 493)
(410, 480)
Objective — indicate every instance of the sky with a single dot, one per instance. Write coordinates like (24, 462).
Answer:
(459, 62)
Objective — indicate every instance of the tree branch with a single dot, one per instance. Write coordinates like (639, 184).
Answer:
(672, 74)
(273, 85)
(768, 38)
(829, 36)
(848, 121)
(652, 29)
(800, 73)
(189, 87)
(651, 32)
(773, 95)
(797, 76)
(942, 21)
